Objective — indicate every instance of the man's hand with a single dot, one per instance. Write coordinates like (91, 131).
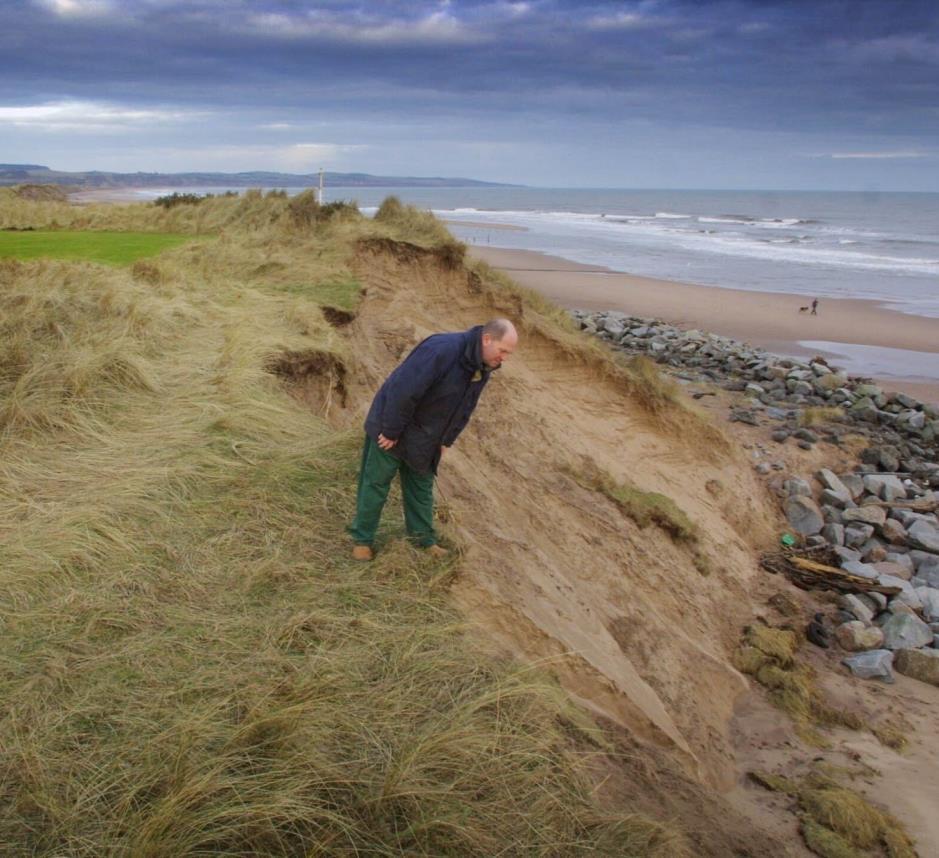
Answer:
(443, 449)
(386, 443)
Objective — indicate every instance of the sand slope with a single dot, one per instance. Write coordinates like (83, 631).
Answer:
(554, 571)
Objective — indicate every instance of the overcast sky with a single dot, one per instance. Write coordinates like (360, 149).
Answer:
(827, 94)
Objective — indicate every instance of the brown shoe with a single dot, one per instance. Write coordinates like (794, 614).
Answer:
(362, 552)
(436, 551)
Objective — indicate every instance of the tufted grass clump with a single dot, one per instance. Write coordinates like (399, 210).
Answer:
(418, 225)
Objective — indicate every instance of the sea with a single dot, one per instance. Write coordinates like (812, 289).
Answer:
(880, 246)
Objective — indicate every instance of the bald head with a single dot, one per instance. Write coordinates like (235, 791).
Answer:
(499, 339)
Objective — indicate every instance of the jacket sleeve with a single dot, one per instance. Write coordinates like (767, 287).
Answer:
(405, 388)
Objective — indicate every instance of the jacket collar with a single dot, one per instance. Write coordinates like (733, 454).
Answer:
(472, 357)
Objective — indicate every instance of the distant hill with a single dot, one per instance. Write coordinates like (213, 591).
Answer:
(14, 174)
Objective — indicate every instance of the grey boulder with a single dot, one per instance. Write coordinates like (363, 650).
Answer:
(833, 533)
(885, 486)
(874, 515)
(857, 637)
(873, 664)
(855, 606)
(893, 532)
(930, 599)
(921, 664)
(803, 515)
(833, 484)
(923, 535)
(904, 631)
(862, 570)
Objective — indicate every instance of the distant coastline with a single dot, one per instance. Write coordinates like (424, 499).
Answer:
(18, 174)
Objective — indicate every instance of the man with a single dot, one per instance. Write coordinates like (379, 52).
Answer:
(815, 306)
(418, 413)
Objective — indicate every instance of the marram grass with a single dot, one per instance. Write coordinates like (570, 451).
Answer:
(189, 663)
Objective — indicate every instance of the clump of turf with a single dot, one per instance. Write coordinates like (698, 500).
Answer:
(817, 415)
(643, 507)
(837, 822)
(769, 655)
(647, 508)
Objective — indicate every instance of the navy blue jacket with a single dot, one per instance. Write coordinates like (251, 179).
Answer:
(427, 401)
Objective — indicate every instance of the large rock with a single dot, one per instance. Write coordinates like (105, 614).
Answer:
(907, 595)
(854, 483)
(928, 575)
(845, 555)
(873, 551)
(856, 607)
(797, 486)
(897, 570)
(873, 664)
(834, 499)
(856, 534)
(923, 535)
(921, 664)
(901, 559)
(864, 410)
(885, 486)
(930, 599)
(924, 562)
(867, 389)
(862, 570)
(856, 637)
(893, 532)
(874, 515)
(830, 481)
(833, 534)
(803, 515)
(904, 631)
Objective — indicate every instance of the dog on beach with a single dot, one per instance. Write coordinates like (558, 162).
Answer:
(803, 309)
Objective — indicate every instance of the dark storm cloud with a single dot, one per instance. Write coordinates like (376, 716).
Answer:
(850, 66)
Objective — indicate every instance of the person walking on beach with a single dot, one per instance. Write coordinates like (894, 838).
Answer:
(815, 306)
(418, 413)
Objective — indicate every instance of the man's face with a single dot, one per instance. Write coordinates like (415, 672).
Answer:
(496, 351)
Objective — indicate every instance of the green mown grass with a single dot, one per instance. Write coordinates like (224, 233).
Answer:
(112, 248)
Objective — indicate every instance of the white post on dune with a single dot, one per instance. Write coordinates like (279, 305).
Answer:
(320, 197)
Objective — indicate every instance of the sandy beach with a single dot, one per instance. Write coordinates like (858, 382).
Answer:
(770, 320)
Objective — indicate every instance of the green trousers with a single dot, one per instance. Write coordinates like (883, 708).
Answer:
(375, 477)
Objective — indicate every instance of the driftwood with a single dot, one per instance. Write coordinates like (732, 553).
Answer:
(806, 569)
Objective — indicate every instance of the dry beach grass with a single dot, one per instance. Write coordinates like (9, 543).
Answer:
(193, 665)
(190, 664)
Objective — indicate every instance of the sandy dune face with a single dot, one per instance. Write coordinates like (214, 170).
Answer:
(554, 571)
